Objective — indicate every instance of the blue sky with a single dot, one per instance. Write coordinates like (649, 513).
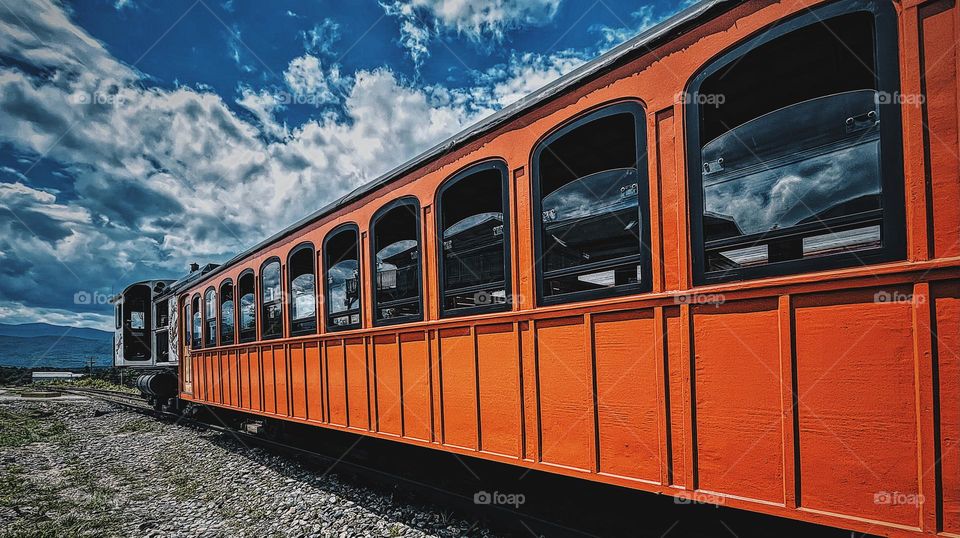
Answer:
(135, 133)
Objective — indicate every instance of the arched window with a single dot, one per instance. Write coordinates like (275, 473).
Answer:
(591, 231)
(342, 274)
(474, 258)
(303, 290)
(247, 311)
(210, 317)
(396, 261)
(803, 170)
(226, 313)
(271, 321)
(196, 334)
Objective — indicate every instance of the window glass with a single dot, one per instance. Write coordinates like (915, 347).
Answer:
(272, 301)
(591, 224)
(472, 241)
(226, 314)
(303, 295)
(397, 275)
(210, 310)
(248, 308)
(197, 333)
(790, 172)
(343, 279)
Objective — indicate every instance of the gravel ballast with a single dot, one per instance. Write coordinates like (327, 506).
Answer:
(89, 468)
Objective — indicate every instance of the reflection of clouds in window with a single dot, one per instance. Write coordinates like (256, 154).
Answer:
(211, 304)
(603, 192)
(271, 282)
(470, 222)
(226, 310)
(395, 248)
(338, 276)
(304, 305)
(247, 312)
(792, 193)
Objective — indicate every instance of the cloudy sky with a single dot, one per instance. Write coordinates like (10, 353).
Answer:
(134, 133)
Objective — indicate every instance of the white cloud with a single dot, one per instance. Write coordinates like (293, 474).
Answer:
(320, 38)
(643, 19)
(422, 20)
(309, 82)
(164, 177)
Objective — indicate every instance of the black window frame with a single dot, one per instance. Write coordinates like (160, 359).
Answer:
(887, 70)
(294, 329)
(395, 204)
(220, 302)
(237, 304)
(196, 307)
(263, 305)
(465, 174)
(645, 283)
(327, 317)
(207, 341)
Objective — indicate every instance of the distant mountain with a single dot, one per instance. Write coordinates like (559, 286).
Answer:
(41, 344)
(45, 329)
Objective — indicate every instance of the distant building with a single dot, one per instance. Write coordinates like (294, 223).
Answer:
(39, 377)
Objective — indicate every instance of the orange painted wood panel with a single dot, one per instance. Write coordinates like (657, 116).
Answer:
(256, 378)
(215, 376)
(269, 372)
(415, 367)
(739, 435)
(223, 359)
(672, 211)
(566, 394)
(281, 380)
(243, 376)
(627, 405)
(336, 383)
(298, 381)
(458, 384)
(358, 403)
(942, 143)
(675, 395)
(947, 359)
(387, 382)
(531, 417)
(498, 371)
(857, 405)
(312, 375)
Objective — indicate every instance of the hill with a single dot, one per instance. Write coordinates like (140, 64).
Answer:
(41, 344)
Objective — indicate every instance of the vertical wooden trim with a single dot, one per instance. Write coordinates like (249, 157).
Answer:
(927, 394)
(914, 139)
(375, 406)
(663, 396)
(683, 198)
(590, 348)
(427, 262)
(403, 424)
(434, 383)
(655, 186)
(788, 424)
(476, 382)
(522, 449)
(689, 396)
(443, 424)
(371, 380)
(536, 380)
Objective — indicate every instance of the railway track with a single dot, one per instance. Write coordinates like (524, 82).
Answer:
(554, 506)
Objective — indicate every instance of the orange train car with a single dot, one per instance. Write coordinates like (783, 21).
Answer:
(722, 259)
